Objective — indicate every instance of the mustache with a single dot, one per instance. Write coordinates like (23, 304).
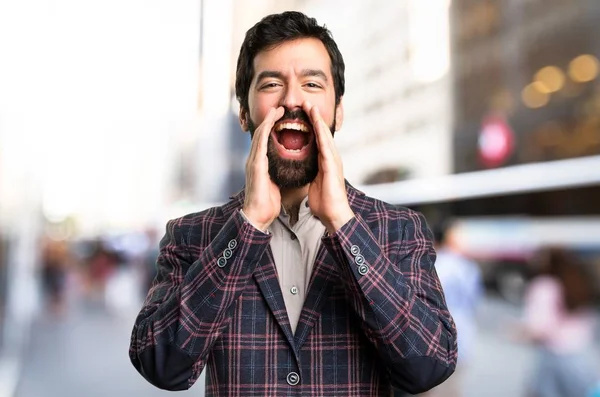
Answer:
(297, 114)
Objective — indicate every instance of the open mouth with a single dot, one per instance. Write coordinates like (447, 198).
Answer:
(293, 137)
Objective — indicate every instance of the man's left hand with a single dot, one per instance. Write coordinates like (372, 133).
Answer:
(327, 197)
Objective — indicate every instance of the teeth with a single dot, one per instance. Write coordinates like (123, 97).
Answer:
(295, 150)
(291, 126)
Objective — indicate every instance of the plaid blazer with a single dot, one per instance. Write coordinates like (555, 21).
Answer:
(374, 315)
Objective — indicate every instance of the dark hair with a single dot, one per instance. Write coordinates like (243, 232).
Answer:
(275, 29)
(572, 273)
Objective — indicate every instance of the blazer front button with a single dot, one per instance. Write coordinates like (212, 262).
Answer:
(293, 378)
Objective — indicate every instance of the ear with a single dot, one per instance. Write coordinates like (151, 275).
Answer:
(339, 114)
(243, 115)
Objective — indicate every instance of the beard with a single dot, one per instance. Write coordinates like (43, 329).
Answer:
(286, 173)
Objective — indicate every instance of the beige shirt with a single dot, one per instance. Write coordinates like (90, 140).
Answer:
(294, 250)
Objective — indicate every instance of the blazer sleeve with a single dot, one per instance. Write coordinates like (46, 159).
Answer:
(187, 308)
(399, 300)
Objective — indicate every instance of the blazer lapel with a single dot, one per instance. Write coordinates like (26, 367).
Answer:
(323, 277)
(265, 275)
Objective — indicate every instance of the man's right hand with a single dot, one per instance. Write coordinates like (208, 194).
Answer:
(262, 203)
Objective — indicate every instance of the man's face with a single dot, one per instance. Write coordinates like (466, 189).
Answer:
(289, 75)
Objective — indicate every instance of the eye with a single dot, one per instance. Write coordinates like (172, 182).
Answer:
(312, 85)
(269, 85)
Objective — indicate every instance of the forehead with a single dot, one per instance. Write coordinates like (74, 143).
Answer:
(293, 56)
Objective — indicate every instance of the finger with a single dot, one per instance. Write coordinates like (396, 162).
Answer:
(317, 120)
(260, 140)
(325, 142)
(261, 134)
(266, 128)
(308, 109)
(255, 143)
(323, 134)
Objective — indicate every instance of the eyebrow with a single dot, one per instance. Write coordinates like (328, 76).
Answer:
(278, 75)
(314, 73)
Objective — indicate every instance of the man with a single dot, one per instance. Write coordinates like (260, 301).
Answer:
(300, 285)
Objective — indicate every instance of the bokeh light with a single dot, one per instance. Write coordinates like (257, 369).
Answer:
(552, 79)
(584, 68)
(535, 95)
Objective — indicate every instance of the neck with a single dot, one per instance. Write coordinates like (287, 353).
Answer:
(291, 200)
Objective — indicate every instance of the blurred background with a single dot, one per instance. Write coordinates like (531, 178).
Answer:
(118, 115)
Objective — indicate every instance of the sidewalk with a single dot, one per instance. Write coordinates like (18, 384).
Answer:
(84, 355)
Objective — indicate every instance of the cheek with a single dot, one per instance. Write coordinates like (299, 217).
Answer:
(327, 108)
(256, 117)
(327, 115)
(259, 111)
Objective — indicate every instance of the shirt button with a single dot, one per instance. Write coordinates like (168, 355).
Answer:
(294, 290)
(293, 379)
(293, 236)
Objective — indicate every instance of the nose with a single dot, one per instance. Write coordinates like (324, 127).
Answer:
(292, 97)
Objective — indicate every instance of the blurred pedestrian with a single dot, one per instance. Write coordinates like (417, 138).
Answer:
(301, 284)
(559, 321)
(463, 288)
(54, 273)
(101, 266)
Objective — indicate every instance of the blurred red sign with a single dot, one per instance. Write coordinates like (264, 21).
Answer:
(496, 141)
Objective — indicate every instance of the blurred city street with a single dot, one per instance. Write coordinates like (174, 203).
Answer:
(86, 354)
(481, 115)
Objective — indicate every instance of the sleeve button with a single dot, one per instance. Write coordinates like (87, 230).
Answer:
(363, 269)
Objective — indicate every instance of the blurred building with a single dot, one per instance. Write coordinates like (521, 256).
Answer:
(526, 91)
(94, 98)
